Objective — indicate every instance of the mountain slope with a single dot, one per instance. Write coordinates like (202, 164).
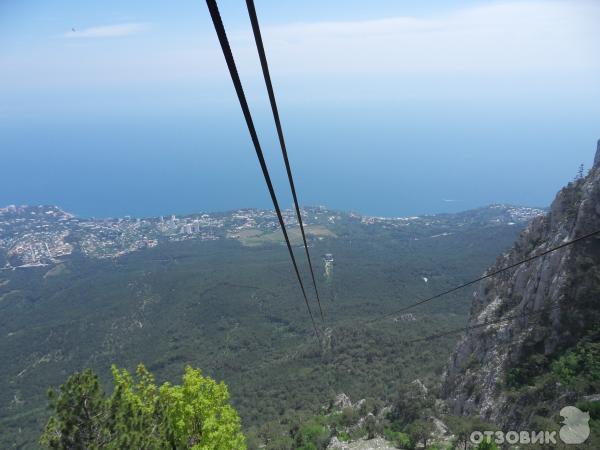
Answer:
(230, 306)
(516, 372)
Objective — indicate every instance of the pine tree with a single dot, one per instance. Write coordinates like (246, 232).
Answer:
(80, 411)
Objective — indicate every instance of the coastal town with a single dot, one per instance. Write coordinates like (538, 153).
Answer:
(33, 236)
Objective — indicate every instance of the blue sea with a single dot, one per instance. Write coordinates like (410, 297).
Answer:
(391, 160)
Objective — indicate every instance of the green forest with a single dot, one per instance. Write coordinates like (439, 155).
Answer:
(235, 312)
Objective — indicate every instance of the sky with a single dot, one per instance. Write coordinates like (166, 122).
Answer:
(389, 107)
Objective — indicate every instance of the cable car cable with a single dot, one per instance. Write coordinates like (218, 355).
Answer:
(235, 78)
(489, 275)
(265, 69)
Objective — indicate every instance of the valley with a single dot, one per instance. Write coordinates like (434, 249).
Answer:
(231, 307)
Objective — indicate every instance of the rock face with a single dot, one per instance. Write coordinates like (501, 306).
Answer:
(554, 297)
(342, 401)
(361, 444)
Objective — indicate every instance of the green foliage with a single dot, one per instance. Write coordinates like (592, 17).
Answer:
(576, 367)
(313, 436)
(235, 312)
(487, 444)
(403, 440)
(308, 446)
(316, 431)
(80, 410)
(134, 412)
(420, 432)
(581, 362)
(343, 436)
(199, 412)
(591, 407)
(371, 426)
(410, 405)
(370, 405)
(139, 414)
(518, 376)
(462, 427)
(565, 368)
(348, 416)
(398, 438)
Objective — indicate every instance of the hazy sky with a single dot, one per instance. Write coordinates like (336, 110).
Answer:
(390, 107)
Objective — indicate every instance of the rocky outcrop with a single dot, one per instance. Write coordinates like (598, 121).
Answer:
(342, 401)
(551, 298)
(361, 444)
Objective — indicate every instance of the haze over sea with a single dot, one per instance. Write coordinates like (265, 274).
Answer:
(391, 110)
(375, 162)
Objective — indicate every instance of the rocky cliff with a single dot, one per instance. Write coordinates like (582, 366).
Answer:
(511, 372)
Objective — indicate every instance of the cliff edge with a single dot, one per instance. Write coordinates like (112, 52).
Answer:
(513, 371)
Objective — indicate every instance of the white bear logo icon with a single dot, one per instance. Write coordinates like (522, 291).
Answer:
(575, 429)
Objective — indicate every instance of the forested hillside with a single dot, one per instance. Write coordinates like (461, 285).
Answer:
(230, 306)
